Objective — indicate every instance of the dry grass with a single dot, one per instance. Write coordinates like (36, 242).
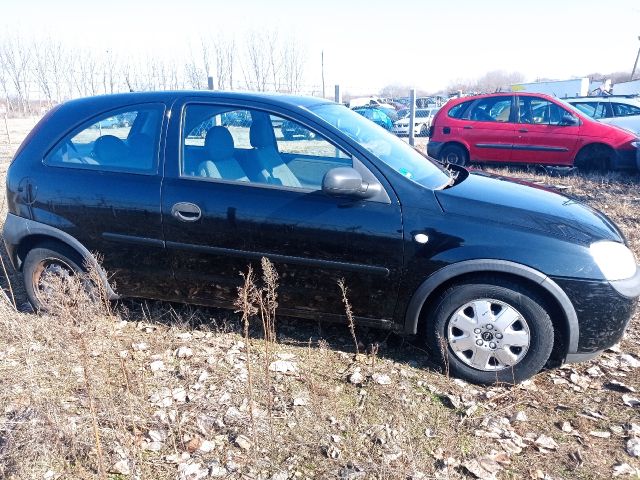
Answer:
(165, 391)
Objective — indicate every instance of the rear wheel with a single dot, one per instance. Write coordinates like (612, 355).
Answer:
(454, 154)
(44, 261)
(490, 330)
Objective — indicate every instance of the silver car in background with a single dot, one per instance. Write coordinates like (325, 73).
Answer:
(424, 117)
(623, 112)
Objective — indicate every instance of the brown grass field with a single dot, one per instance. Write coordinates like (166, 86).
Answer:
(149, 390)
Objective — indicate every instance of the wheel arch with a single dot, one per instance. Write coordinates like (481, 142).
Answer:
(24, 234)
(591, 146)
(563, 313)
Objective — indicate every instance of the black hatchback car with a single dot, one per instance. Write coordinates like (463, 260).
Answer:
(496, 277)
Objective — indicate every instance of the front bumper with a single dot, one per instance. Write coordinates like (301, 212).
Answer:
(628, 159)
(604, 310)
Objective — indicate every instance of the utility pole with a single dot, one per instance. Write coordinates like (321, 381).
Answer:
(635, 65)
(322, 65)
(412, 116)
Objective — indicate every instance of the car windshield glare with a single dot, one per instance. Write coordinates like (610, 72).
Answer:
(388, 148)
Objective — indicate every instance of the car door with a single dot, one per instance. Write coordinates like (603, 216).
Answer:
(543, 136)
(488, 129)
(262, 197)
(101, 184)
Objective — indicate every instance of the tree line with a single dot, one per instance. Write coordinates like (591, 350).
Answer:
(36, 71)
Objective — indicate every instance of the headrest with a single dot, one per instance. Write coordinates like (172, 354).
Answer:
(219, 143)
(109, 149)
(261, 133)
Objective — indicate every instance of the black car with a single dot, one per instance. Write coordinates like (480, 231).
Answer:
(496, 277)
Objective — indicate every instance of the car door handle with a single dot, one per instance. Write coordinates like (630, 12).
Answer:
(467, 127)
(186, 212)
(523, 130)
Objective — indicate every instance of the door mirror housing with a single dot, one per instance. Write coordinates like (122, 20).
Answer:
(346, 181)
(569, 120)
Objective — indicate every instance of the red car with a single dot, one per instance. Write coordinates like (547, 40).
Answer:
(526, 128)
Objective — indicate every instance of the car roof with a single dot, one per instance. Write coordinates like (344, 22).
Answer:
(612, 98)
(122, 99)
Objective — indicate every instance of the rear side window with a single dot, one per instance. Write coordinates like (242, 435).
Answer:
(458, 110)
(123, 140)
(623, 109)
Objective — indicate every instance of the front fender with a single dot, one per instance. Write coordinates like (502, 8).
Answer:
(492, 266)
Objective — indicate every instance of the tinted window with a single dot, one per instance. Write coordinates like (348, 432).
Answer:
(252, 146)
(492, 109)
(126, 140)
(538, 111)
(458, 110)
(623, 109)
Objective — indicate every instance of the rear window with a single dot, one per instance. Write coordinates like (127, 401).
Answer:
(458, 110)
(121, 140)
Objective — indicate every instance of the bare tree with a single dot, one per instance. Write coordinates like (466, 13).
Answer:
(110, 72)
(4, 79)
(293, 64)
(256, 68)
(42, 68)
(16, 56)
(224, 49)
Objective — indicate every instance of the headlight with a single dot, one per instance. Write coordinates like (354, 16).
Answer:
(614, 260)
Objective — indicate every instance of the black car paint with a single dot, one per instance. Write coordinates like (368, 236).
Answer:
(313, 239)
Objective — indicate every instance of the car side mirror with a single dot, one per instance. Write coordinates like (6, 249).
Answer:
(569, 120)
(346, 181)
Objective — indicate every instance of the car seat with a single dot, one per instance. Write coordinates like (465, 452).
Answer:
(222, 164)
(266, 156)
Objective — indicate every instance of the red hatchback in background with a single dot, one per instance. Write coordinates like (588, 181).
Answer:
(528, 128)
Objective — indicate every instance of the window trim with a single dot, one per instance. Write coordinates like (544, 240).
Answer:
(94, 119)
(181, 147)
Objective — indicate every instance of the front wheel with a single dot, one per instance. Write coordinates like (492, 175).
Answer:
(490, 330)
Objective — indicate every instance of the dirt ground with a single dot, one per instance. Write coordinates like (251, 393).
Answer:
(152, 391)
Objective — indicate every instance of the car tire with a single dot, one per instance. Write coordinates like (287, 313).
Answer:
(594, 159)
(454, 154)
(516, 314)
(47, 257)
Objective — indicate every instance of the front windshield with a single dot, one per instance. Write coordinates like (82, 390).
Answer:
(396, 153)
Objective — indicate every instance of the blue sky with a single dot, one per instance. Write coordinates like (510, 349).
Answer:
(367, 44)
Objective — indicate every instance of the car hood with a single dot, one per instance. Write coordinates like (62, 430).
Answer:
(630, 123)
(520, 204)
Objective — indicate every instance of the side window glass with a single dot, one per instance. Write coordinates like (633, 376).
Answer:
(458, 110)
(493, 109)
(119, 141)
(623, 109)
(254, 147)
(537, 111)
(306, 154)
